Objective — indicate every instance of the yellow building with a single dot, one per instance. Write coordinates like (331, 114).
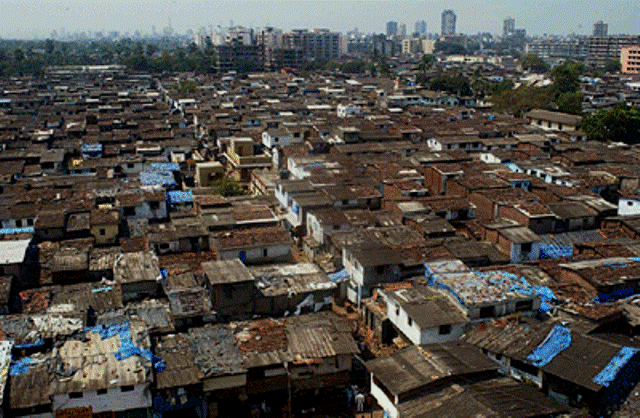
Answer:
(104, 226)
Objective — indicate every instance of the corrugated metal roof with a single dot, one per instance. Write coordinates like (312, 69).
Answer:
(418, 366)
(226, 272)
(92, 364)
(178, 354)
(13, 252)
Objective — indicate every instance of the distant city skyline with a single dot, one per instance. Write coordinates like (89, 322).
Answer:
(38, 18)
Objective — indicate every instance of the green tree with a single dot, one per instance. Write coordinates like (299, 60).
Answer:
(570, 102)
(49, 46)
(449, 48)
(227, 187)
(498, 88)
(566, 77)
(620, 123)
(534, 63)
(427, 60)
(454, 84)
(519, 101)
(18, 55)
(612, 66)
(354, 67)
(189, 86)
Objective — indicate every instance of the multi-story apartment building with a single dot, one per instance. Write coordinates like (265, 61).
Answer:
(630, 59)
(420, 28)
(600, 28)
(317, 44)
(411, 46)
(392, 28)
(239, 34)
(238, 57)
(508, 27)
(574, 47)
(448, 23)
(275, 54)
(602, 49)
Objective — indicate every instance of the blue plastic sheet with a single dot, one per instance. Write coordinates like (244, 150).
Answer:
(158, 167)
(549, 251)
(544, 293)
(102, 289)
(21, 366)
(91, 147)
(178, 196)
(157, 178)
(38, 343)
(339, 275)
(616, 364)
(615, 295)
(127, 347)
(13, 231)
(558, 339)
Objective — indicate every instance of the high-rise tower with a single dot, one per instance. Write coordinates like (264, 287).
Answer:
(448, 23)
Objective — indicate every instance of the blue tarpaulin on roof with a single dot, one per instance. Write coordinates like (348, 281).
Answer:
(558, 339)
(521, 285)
(178, 196)
(544, 293)
(91, 147)
(127, 347)
(339, 275)
(159, 178)
(164, 167)
(615, 295)
(512, 166)
(13, 231)
(616, 364)
(38, 343)
(21, 366)
(548, 251)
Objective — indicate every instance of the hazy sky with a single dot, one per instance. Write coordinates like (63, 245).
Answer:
(29, 18)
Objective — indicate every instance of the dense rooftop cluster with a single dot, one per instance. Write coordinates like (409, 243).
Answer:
(452, 252)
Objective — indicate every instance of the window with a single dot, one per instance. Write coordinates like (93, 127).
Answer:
(101, 391)
(29, 222)
(75, 395)
(154, 205)
(410, 322)
(444, 330)
(265, 252)
(126, 388)
(524, 305)
(487, 312)
(129, 211)
(525, 247)
(397, 309)
(630, 203)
